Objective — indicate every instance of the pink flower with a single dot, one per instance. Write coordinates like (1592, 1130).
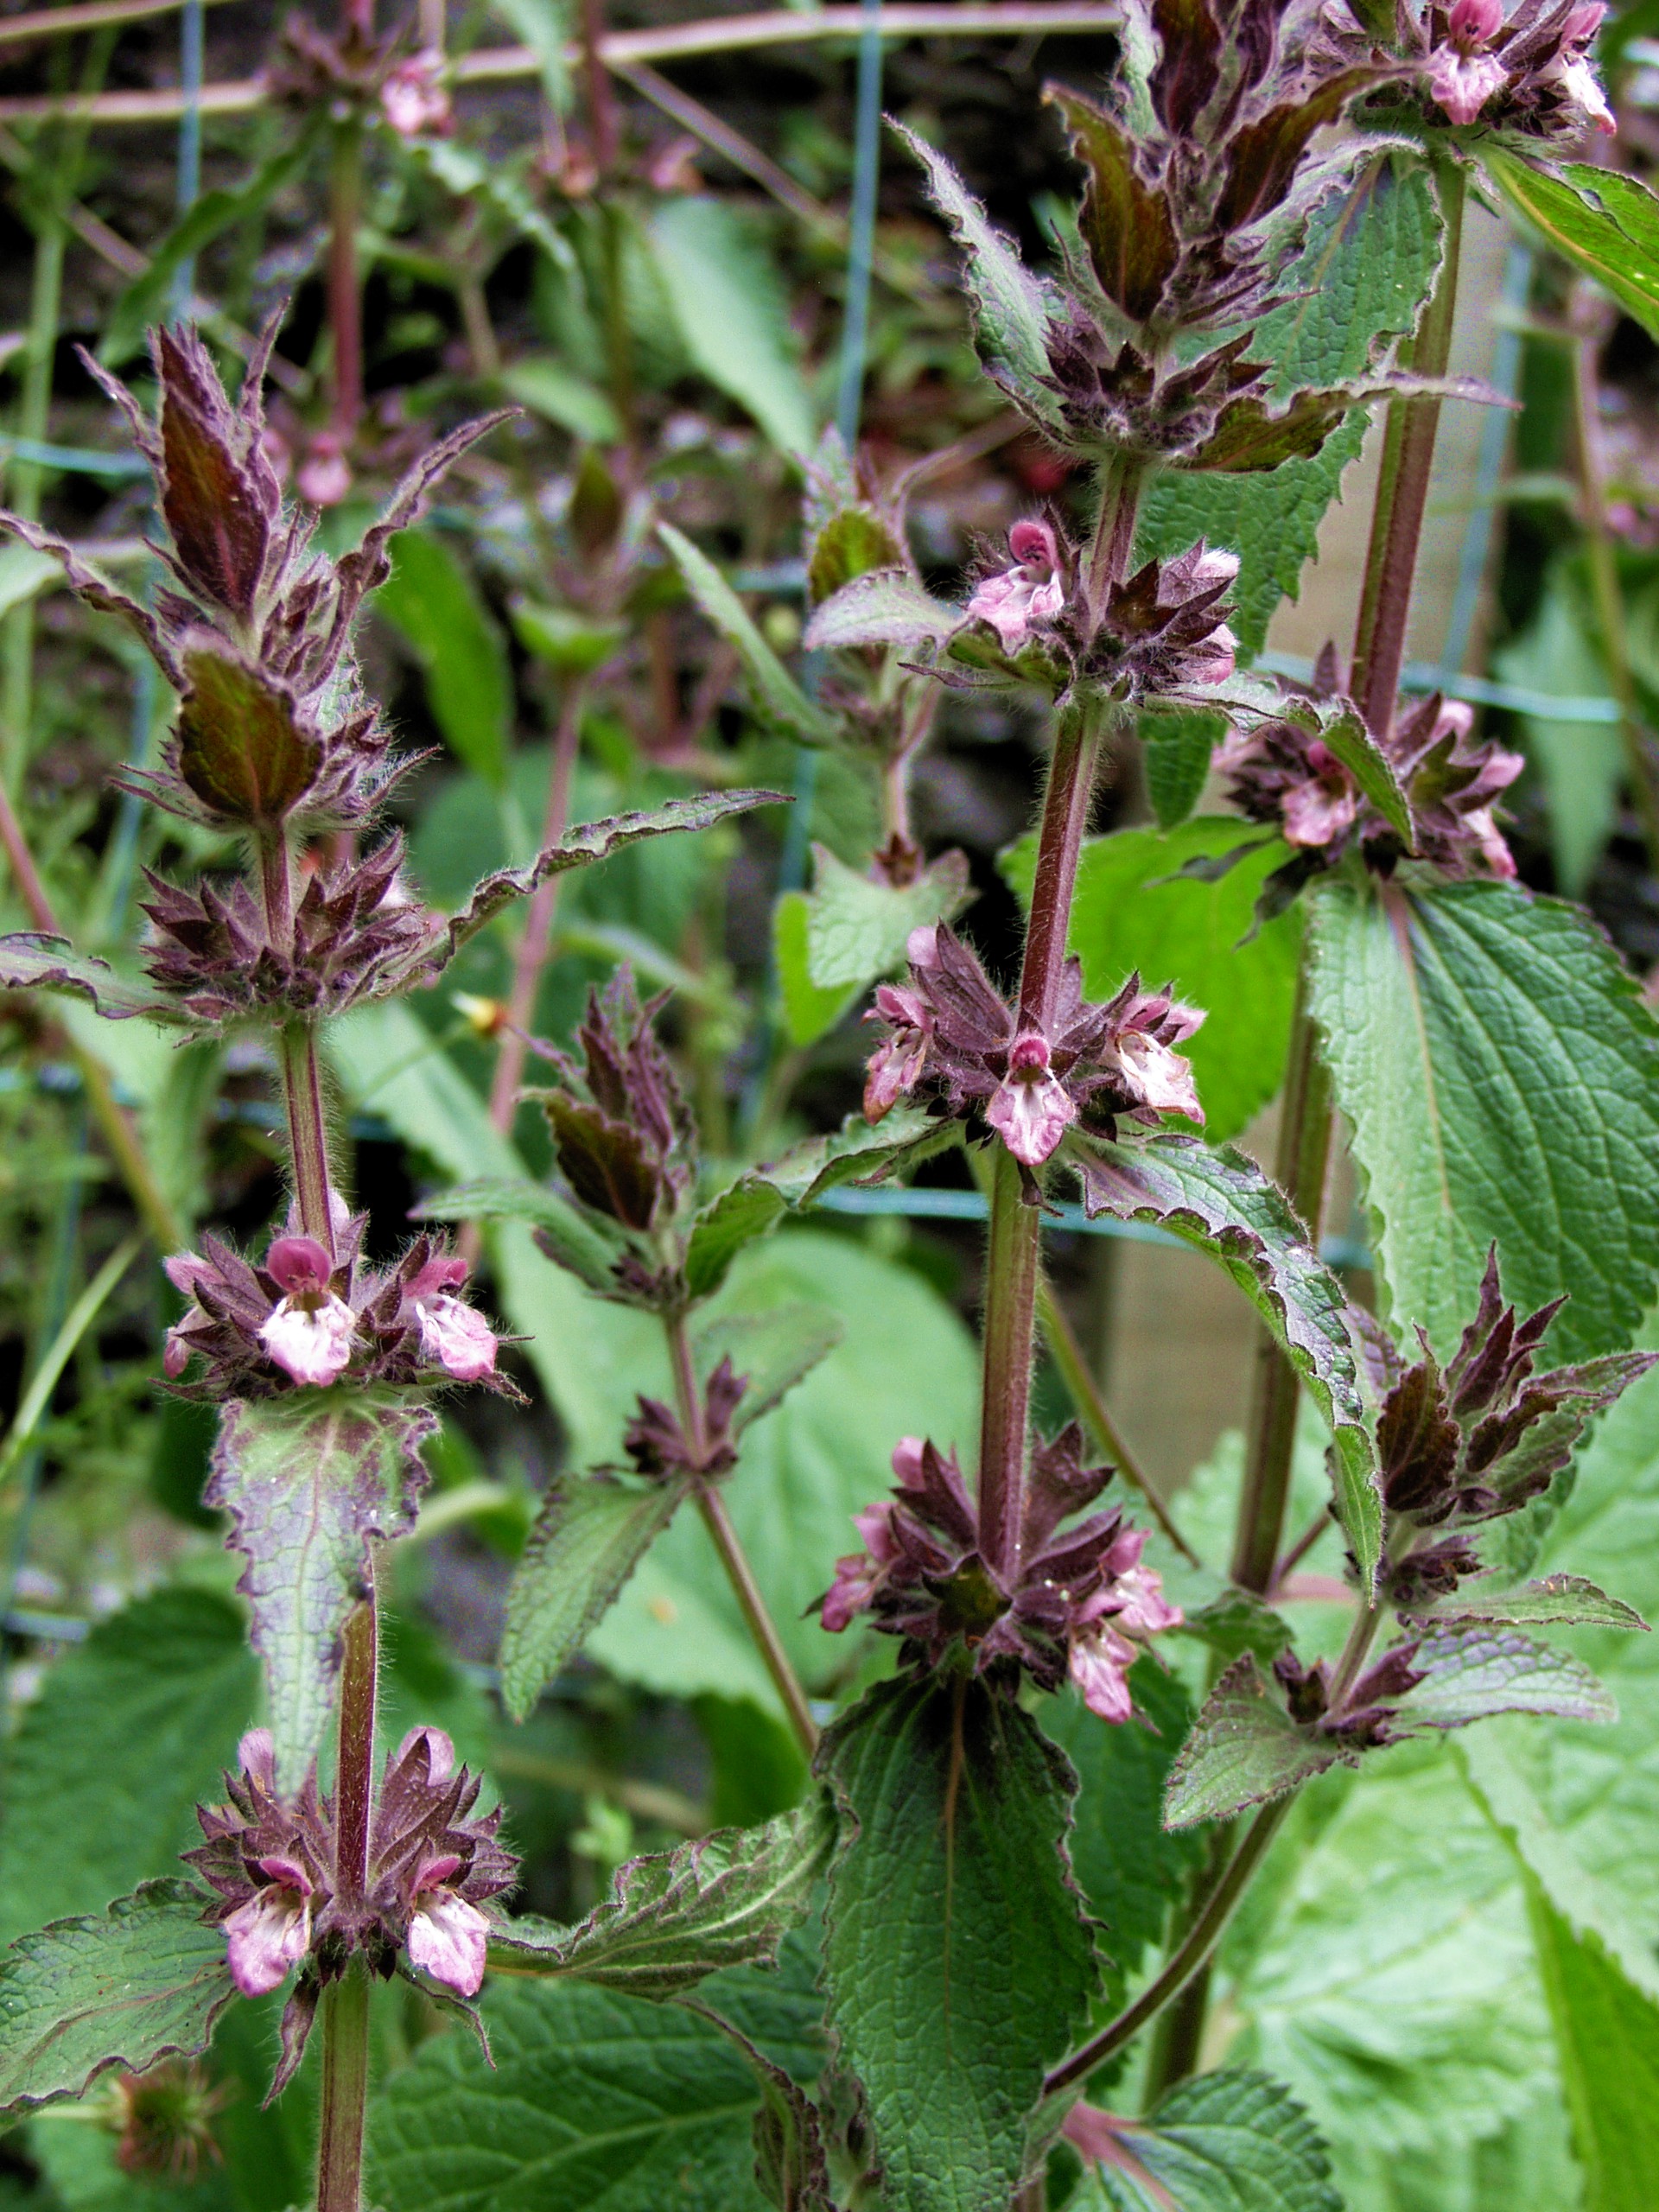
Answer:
(1030, 1109)
(309, 1332)
(413, 98)
(1164, 1080)
(1474, 22)
(456, 1337)
(446, 1935)
(1323, 808)
(273, 1931)
(1581, 86)
(1463, 83)
(324, 476)
(1015, 601)
(897, 1063)
(1099, 1667)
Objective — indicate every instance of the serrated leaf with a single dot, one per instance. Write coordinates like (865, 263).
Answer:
(1570, 1600)
(591, 1532)
(1234, 2141)
(564, 1233)
(1222, 1202)
(733, 314)
(886, 607)
(957, 1965)
(791, 2168)
(1346, 735)
(596, 841)
(851, 541)
(744, 1211)
(854, 1152)
(1136, 909)
(857, 929)
(242, 747)
(1470, 1674)
(594, 2100)
(124, 1988)
(675, 1917)
(105, 1768)
(1235, 1622)
(1501, 1078)
(1176, 758)
(432, 603)
(1605, 222)
(1012, 309)
(308, 1480)
(32, 961)
(809, 1012)
(773, 1351)
(1370, 260)
(778, 700)
(1244, 1750)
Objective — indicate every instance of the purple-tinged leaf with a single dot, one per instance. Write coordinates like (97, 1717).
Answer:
(31, 961)
(675, 1918)
(308, 1479)
(1251, 435)
(95, 590)
(1470, 1674)
(886, 607)
(1244, 1750)
(241, 748)
(1568, 1598)
(1221, 1202)
(145, 1981)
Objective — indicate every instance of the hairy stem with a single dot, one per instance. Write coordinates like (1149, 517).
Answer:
(345, 2091)
(1013, 1265)
(308, 1136)
(739, 1573)
(1192, 1954)
(354, 1771)
(1609, 600)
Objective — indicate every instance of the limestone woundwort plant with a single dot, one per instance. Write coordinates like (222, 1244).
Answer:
(1198, 363)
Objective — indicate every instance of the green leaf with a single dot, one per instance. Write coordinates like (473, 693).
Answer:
(1012, 309)
(746, 1210)
(1234, 1622)
(1370, 259)
(1499, 1072)
(1344, 735)
(1580, 765)
(1471, 1674)
(1135, 910)
(594, 2100)
(1244, 1750)
(308, 1480)
(1607, 2039)
(957, 1965)
(1569, 1598)
(491, 183)
(568, 1236)
(854, 1152)
(773, 1351)
(1235, 2141)
(1177, 754)
(573, 643)
(591, 1532)
(852, 541)
(677, 1916)
(125, 1988)
(145, 301)
(809, 1012)
(544, 28)
(734, 315)
(430, 600)
(31, 961)
(105, 1767)
(857, 929)
(778, 700)
(549, 389)
(1604, 222)
(789, 2164)
(1130, 1867)
(1222, 1202)
(886, 607)
(24, 571)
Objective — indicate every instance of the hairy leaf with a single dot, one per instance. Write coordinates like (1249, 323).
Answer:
(1469, 1673)
(958, 1964)
(1607, 2040)
(1235, 1622)
(433, 604)
(594, 2100)
(855, 1152)
(809, 1012)
(790, 2165)
(1222, 1202)
(732, 315)
(743, 1212)
(1569, 1598)
(1502, 1078)
(855, 541)
(677, 1916)
(31, 961)
(1346, 734)
(1244, 1750)
(241, 748)
(308, 1480)
(1134, 909)
(1603, 221)
(597, 841)
(778, 700)
(122, 1989)
(1370, 262)
(105, 1766)
(1177, 754)
(1012, 309)
(590, 1534)
(771, 1351)
(1234, 2141)
(573, 1238)
(886, 607)
(857, 929)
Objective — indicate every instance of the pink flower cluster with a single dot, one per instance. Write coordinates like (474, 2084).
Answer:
(1540, 57)
(1030, 595)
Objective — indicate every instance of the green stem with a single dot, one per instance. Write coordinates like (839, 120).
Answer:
(1193, 1953)
(345, 2091)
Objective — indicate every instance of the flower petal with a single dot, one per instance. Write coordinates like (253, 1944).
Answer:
(449, 1937)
